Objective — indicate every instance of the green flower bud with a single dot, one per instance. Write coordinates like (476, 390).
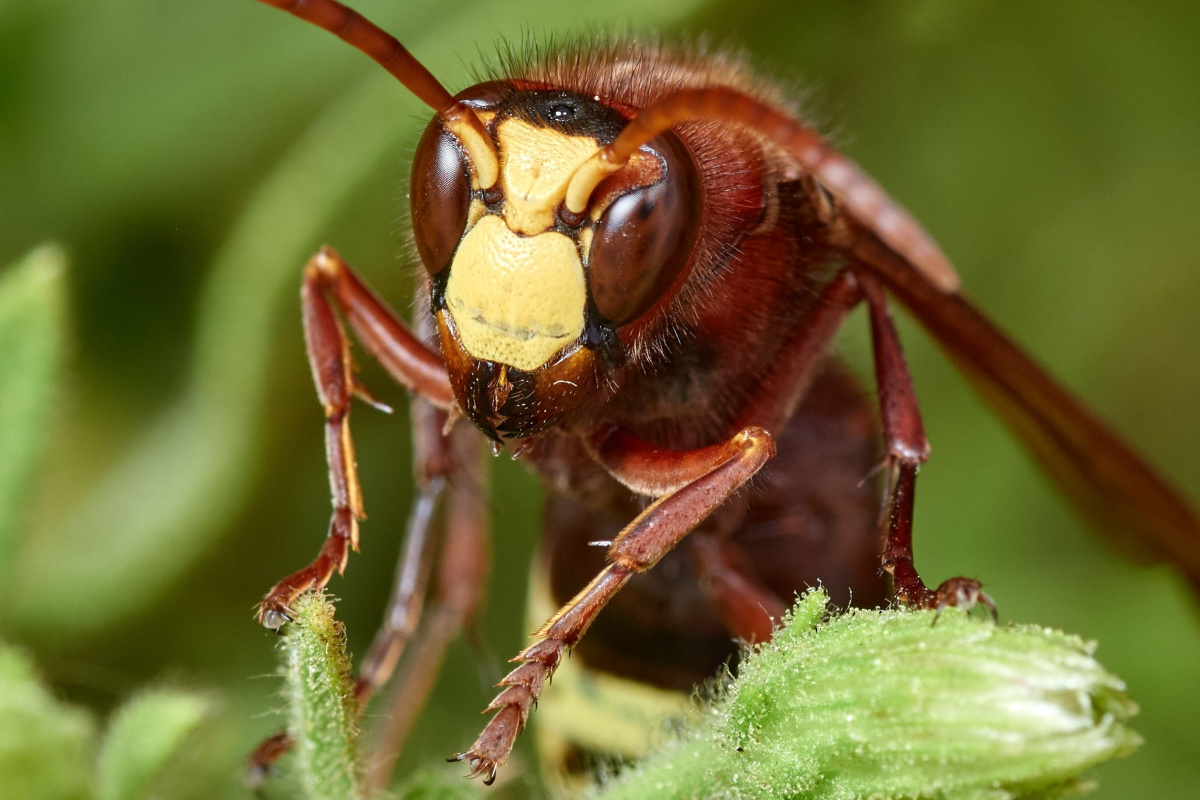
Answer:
(880, 705)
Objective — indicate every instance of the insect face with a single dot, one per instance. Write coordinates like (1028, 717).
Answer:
(527, 293)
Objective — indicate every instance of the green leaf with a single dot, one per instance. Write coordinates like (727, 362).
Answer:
(45, 746)
(884, 704)
(323, 708)
(31, 351)
(142, 737)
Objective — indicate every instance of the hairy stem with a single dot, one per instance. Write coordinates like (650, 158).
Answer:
(323, 711)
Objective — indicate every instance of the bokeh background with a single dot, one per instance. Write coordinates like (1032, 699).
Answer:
(189, 156)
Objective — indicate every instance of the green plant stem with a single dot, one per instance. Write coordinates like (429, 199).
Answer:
(323, 709)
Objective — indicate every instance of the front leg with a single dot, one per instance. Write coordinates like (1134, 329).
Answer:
(693, 484)
(328, 281)
(907, 449)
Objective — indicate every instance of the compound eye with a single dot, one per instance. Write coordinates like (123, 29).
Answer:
(643, 240)
(440, 196)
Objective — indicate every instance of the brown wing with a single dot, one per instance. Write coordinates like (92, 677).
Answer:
(1106, 480)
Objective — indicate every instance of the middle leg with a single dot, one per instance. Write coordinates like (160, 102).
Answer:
(451, 467)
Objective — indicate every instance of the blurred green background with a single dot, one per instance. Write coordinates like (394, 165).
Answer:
(189, 156)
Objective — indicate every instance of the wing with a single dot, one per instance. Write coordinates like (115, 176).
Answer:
(1106, 480)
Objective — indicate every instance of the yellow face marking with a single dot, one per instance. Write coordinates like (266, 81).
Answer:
(475, 212)
(585, 240)
(516, 300)
(586, 179)
(536, 165)
(469, 129)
